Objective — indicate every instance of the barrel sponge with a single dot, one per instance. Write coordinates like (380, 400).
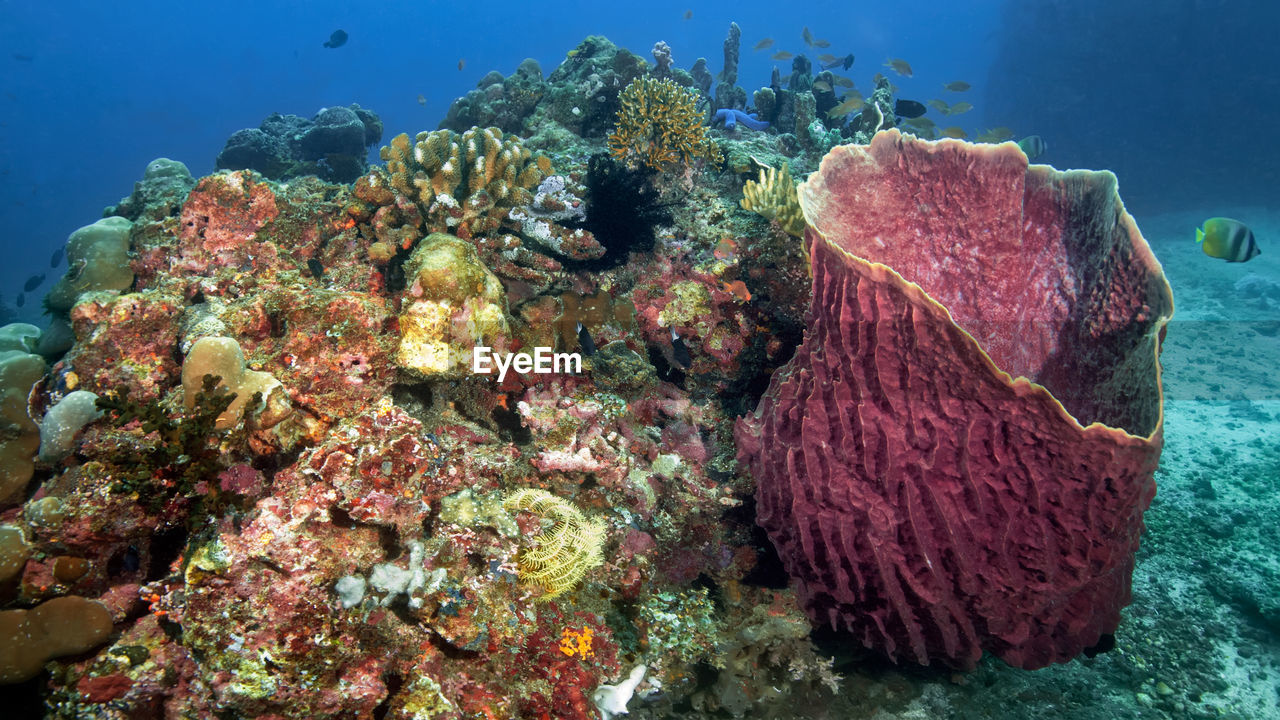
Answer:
(97, 259)
(452, 304)
(56, 628)
(63, 421)
(222, 357)
(19, 435)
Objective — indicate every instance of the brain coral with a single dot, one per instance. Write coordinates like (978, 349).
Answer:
(958, 456)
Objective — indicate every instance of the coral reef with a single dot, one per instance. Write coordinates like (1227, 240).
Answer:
(659, 125)
(562, 554)
(331, 145)
(1000, 406)
(504, 103)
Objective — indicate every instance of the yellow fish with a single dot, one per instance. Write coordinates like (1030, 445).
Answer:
(920, 123)
(851, 105)
(764, 44)
(939, 105)
(821, 43)
(902, 67)
(960, 108)
(957, 86)
(782, 55)
(808, 36)
(843, 82)
(954, 132)
(1228, 239)
(827, 58)
(821, 86)
(995, 135)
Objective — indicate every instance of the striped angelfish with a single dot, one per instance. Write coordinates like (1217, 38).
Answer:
(1228, 239)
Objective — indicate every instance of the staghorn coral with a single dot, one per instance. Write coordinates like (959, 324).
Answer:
(563, 553)
(466, 183)
(659, 124)
(774, 197)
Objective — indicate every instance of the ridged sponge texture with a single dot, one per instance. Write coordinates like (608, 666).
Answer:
(925, 500)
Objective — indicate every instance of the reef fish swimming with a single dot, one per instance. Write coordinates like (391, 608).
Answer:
(33, 282)
(1227, 239)
(1033, 146)
(337, 39)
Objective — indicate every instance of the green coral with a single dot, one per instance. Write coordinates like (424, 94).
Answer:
(465, 183)
(774, 197)
(187, 449)
(659, 125)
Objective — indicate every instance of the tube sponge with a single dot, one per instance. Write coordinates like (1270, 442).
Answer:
(222, 357)
(63, 421)
(58, 627)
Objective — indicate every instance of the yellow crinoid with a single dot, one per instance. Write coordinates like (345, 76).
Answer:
(774, 196)
(565, 550)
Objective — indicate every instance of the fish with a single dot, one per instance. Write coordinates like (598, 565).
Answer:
(841, 81)
(782, 55)
(1033, 146)
(822, 43)
(940, 105)
(337, 39)
(585, 342)
(462, 63)
(680, 351)
(960, 108)
(738, 289)
(851, 105)
(821, 86)
(725, 249)
(920, 123)
(316, 267)
(422, 99)
(1227, 239)
(908, 109)
(808, 37)
(846, 62)
(902, 67)
(957, 86)
(22, 300)
(57, 258)
(764, 44)
(825, 58)
(23, 57)
(995, 135)
(688, 14)
(954, 132)
(33, 282)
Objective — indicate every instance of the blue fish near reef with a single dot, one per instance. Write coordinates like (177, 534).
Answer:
(337, 39)
(731, 118)
(585, 342)
(680, 351)
(1228, 239)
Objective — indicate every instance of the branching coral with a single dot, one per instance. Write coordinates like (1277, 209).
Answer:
(465, 184)
(774, 197)
(563, 553)
(659, 124)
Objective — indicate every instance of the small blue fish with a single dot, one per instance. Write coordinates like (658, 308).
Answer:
(846, 62)
(33, 282)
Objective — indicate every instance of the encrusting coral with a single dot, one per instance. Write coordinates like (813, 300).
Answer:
(563, 553)
(659, 124)
(464, 183)
(774, 197)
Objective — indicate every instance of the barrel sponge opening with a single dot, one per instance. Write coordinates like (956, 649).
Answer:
(58, 627)
(97, 259)
(222, 357)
